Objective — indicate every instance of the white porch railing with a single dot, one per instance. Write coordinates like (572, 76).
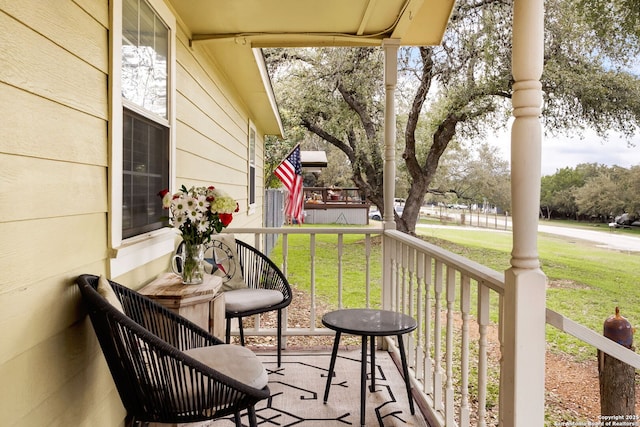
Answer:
(256, 237)
(454, 354)
(437, 288)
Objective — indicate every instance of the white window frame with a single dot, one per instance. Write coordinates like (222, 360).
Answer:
(251, 164)
(129, 254)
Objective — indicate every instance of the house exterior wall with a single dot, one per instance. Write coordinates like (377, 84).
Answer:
(212, 128)
(54, 160)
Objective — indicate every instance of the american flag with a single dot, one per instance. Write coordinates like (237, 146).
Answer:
(290, 173)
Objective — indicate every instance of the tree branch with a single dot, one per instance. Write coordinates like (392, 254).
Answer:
(409, 154)
(359, 108)
(331, 139)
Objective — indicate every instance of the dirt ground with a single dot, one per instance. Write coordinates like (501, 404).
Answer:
(573, 390)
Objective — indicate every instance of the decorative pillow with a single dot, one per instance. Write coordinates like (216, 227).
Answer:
(105, 289)
(226, 262)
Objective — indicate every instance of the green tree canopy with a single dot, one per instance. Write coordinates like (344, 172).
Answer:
(591, 191)
(458, 90)
(474, 176)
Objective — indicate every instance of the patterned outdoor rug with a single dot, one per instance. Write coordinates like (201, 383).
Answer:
(297, 391)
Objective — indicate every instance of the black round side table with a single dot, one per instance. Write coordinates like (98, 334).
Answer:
(368, 323)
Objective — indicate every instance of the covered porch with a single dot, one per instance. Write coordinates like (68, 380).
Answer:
(449, 352)
(62, 85)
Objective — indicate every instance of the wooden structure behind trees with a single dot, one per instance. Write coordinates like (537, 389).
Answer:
(333, 205)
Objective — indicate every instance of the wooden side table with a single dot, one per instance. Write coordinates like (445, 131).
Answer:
(202, 304)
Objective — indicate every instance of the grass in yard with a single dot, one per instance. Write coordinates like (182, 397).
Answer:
(586, 283)
(326, 268)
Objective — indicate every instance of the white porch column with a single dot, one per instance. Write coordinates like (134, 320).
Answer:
(522, 380)
(390, 47)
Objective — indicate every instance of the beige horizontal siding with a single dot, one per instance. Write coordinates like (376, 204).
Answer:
(203, 71)
(39, 249)
(38, 127)
(212, 127)
(53, 199)
(53, 218)
(33, 313)
(96, 9)
(216, 165)
(36, 64)
(213, 111)
(141, 276)
(67, 24)
(60, 382)
(194, 170)
(62, 188)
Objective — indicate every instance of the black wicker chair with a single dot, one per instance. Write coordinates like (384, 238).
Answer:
(167, 369)
(259, 273)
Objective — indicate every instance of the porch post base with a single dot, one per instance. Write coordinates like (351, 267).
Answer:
(523, 349)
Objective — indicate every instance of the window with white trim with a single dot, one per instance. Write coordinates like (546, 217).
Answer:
(145, 167)
(141, 131)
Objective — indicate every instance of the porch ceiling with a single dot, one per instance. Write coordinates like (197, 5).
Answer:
(229, 29)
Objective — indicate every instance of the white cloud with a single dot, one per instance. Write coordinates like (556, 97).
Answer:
(563, 151)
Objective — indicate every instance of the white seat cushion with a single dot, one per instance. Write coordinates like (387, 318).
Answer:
(234, 361)
(250, 299)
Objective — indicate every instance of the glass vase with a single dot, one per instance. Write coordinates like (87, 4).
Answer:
(193, 264)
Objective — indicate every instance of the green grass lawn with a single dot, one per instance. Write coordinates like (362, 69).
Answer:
(326, 268)
(586, 283)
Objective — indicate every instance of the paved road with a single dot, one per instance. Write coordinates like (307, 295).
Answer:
(608, 240)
